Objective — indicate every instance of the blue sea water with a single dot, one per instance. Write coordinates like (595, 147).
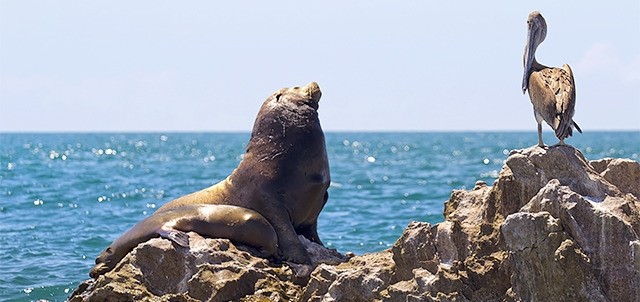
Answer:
(65, 197)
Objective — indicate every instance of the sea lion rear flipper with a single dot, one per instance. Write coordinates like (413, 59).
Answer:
(179, 237)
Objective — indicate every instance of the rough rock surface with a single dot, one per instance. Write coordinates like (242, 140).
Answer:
(553, 227)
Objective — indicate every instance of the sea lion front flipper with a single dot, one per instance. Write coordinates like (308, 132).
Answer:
(179, 237)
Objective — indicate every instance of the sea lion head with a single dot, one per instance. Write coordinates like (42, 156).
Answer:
(287, 116)
(104, 263)
(298, 96)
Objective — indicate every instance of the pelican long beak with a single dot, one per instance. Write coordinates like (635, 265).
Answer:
(529, 57)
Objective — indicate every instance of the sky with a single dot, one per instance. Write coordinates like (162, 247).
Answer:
(84, 66)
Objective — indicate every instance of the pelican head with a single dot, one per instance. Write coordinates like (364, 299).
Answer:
(537, 31)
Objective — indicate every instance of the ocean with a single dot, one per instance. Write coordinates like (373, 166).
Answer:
(65, 197)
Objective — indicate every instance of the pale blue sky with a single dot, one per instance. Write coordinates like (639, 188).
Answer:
(382, 65)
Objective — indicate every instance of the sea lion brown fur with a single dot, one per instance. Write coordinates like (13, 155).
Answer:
(241, 225)
(284, 174)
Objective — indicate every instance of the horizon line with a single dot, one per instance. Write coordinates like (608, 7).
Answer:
(325, 131)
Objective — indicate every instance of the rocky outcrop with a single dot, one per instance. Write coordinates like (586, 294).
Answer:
(209, 270)
(553, 227)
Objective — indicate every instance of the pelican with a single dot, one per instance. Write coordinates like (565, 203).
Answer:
(551, 89)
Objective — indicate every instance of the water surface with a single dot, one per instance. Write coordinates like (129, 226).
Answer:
(65, 197)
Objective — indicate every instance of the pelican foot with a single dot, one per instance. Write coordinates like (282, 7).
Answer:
(560, 144)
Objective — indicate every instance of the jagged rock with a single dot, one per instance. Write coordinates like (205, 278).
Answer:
(546, 265)
(601, 232)
(553, 227)
(621, 172)
(362, 278)
(457, 236)
(414, 249)
(210, 270)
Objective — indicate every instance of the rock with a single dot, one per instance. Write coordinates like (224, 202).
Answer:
(464, 213)
(362, 278)
(601, 232)
(210, 270)
(553, 227)
(531, 169)
(414, 249)
(542, 257)
(621, 172)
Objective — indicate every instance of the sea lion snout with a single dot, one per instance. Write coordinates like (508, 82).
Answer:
(98, 269)
(313, 91)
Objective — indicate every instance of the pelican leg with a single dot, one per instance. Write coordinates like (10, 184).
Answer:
(540, 143)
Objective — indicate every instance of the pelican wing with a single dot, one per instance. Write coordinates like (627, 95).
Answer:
(552, 92)
(566, 102)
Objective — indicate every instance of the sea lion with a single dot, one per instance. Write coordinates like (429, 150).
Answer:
(284, 174)
(241, 225)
